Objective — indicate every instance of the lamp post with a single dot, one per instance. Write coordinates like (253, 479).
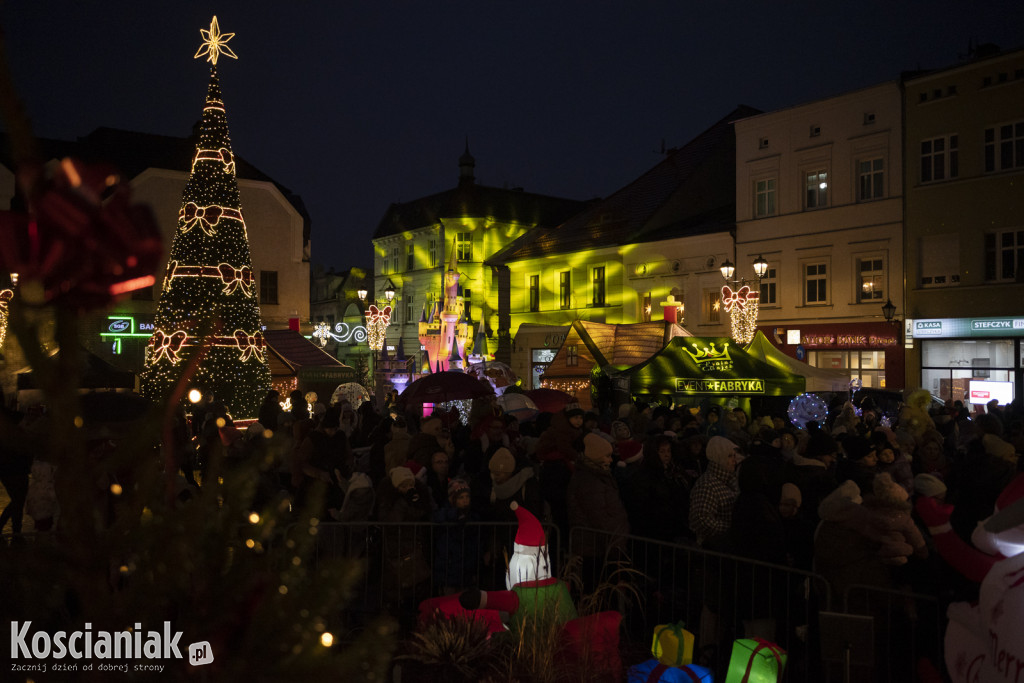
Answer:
(740, 300)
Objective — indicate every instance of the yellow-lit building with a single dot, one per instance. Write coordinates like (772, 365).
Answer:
(656, 243)
(964, 187)
(415, 241)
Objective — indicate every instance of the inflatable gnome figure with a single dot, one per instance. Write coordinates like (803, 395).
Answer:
(533, 595)
(983, 641)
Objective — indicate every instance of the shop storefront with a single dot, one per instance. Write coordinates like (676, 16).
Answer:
(973, 360)
(533, 349)
(871, 353)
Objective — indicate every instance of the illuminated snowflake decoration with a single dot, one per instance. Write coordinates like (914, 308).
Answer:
(215, 43)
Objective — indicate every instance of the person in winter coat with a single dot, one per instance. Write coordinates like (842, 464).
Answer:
(660, 499)
(558, 448)
(714, 494)
(403, 500)
(456, 545)
(270, 410)
(594, 505)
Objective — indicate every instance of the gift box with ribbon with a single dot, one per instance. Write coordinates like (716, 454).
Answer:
(755, 661)
(673, 644)
(653, 671)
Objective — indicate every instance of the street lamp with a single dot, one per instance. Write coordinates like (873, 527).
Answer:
(889, 311)
(740, 300)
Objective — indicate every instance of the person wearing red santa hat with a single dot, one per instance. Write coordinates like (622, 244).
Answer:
(983, 640)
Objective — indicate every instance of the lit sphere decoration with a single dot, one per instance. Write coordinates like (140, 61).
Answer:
(807, 408)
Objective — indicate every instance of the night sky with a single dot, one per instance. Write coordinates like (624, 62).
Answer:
(355, 105)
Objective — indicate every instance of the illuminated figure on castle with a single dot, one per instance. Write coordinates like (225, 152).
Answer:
(209, 303)
(445, 332)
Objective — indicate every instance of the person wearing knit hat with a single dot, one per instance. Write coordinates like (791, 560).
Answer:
(597, 452)
(458, 493)
(714, 494)
(503, 482)
(402, 478)
(929, 485)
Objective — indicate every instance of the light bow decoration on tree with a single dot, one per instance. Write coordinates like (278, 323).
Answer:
(377, 320)
(742, 305)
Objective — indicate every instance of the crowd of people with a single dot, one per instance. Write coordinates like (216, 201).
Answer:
(834, 498)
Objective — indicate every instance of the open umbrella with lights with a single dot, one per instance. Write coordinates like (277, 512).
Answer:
(445, 386)
(497, 373)
(518, 405)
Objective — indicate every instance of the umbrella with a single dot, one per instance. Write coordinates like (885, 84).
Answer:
(519, 405)
(353, 392)
(495, 372)
(445, 386)
(550, 400)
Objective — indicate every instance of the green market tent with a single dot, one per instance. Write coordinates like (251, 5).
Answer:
(707, 367)
(818, 379)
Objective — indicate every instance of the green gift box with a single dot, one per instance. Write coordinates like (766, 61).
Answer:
(755, 661)
(673, 644)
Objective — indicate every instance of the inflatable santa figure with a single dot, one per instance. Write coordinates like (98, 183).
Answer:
(532, 592)
(983, 641)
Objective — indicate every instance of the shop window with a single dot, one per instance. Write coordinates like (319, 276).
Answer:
(866, 366)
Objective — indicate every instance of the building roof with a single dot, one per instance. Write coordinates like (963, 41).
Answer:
(470, 199)
(296, 351)
(659, 200)
(606, 345)
(131, 153)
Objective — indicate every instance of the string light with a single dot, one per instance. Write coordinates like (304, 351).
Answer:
(742, 305)
(5, 300)
(209, 298)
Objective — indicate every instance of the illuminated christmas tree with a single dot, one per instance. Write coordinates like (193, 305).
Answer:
(208, 304)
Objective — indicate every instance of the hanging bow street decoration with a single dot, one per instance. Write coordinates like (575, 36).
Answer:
(167, 345)
(738, 298)
(235, 278)
(380, 316)
(250, 345)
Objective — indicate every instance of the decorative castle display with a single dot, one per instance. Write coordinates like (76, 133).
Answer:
(444, 333)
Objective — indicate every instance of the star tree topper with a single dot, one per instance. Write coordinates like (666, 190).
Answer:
(215, 43)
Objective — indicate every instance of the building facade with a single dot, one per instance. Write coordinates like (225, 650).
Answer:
(819, 196)
(965, 228)
(415, 242)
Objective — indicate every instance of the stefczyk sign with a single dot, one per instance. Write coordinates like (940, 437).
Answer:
(967, 327)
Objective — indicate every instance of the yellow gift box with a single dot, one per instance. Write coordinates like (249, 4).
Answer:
(673, 644)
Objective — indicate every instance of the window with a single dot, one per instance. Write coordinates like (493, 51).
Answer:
(410, 256)
(409, 312)
(464, 246)
(432, 250)
(535, 292)
(871, 180)
(939, 159)
(1004, 147)
(764, 198)
(816, 283)
(867, 366)
(645, 308)
(394, 259)
(268, 286)
(870, 274)
(1004, 254)
(712, 307)
(572, 356)
(597, 286)
(817, 189)
(769, 287)
(564, 289)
